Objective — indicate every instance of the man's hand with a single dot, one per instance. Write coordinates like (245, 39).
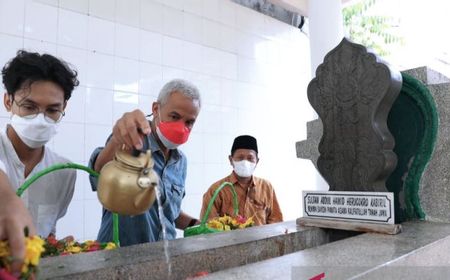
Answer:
(184, 220)
(129, 128)
(14, 217)
(127, 131)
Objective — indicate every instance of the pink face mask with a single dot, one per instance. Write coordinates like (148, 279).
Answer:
(172, 134)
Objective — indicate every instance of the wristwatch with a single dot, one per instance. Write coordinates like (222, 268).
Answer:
(192, 222)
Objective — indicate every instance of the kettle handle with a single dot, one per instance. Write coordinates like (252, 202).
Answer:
(136, 152)
(145, 147)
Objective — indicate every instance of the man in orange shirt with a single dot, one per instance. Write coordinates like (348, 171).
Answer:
(256, 196)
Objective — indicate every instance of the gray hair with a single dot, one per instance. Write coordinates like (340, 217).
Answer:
(179, 85)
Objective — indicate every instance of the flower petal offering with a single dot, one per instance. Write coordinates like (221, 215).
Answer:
(37, 247)
(67, 246)
(34, 247)
(230, 223)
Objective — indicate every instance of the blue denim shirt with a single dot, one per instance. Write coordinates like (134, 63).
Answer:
(147, 227)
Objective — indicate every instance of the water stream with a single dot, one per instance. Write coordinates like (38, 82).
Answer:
(164, 235)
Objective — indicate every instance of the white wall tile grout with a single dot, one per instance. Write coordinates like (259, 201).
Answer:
(246, 65)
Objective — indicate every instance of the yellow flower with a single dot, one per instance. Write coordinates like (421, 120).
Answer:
(215, 224)
(4, 249)
(247, 223)
(110, 246)
(225, 219)
(89, 242)
(34, 248)
(73, 249)
(230, 223)
(235, 223)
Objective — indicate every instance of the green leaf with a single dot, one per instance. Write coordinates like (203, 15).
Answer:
(371, 31)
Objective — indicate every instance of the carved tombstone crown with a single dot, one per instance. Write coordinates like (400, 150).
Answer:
(353, 93)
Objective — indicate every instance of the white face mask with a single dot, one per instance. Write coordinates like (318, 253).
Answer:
(166, 142)
(244, 168)
(35, 132)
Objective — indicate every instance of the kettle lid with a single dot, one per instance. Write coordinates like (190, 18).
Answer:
(132, 161)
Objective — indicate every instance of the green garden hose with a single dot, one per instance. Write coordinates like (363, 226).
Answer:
(70, 165)
(203, 227)
(213, 198)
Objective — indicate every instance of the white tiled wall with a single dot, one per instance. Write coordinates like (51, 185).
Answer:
(252, 71)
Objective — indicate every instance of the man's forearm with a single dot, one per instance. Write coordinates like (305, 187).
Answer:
(184, 220)
(106, 155)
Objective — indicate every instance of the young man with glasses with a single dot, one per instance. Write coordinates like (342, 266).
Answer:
(37, 90)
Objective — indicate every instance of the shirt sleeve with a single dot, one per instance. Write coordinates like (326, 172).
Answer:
(184, 174)
(92, 179)
(275, 214)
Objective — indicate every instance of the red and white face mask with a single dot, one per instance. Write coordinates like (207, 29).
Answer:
(172, 134)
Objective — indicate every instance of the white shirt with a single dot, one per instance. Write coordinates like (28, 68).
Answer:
(2, 166)
(47, 198)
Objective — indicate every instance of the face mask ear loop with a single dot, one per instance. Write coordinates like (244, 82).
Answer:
(159, 113)
(11, 99)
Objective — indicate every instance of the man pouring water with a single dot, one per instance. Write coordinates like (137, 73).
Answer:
(174, 114)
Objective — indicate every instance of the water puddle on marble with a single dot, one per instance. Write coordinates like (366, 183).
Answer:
(164, 235)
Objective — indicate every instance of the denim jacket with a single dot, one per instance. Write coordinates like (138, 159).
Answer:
(147, 226)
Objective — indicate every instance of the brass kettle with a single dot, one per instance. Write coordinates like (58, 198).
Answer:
(126, 184)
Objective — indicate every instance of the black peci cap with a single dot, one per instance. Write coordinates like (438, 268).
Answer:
(244, 142)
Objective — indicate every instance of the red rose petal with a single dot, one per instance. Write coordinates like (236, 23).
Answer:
(5, 275)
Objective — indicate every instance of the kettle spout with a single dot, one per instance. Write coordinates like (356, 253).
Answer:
(146, 197)
(148, 180)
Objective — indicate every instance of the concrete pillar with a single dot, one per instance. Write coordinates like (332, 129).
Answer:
(325, 29)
